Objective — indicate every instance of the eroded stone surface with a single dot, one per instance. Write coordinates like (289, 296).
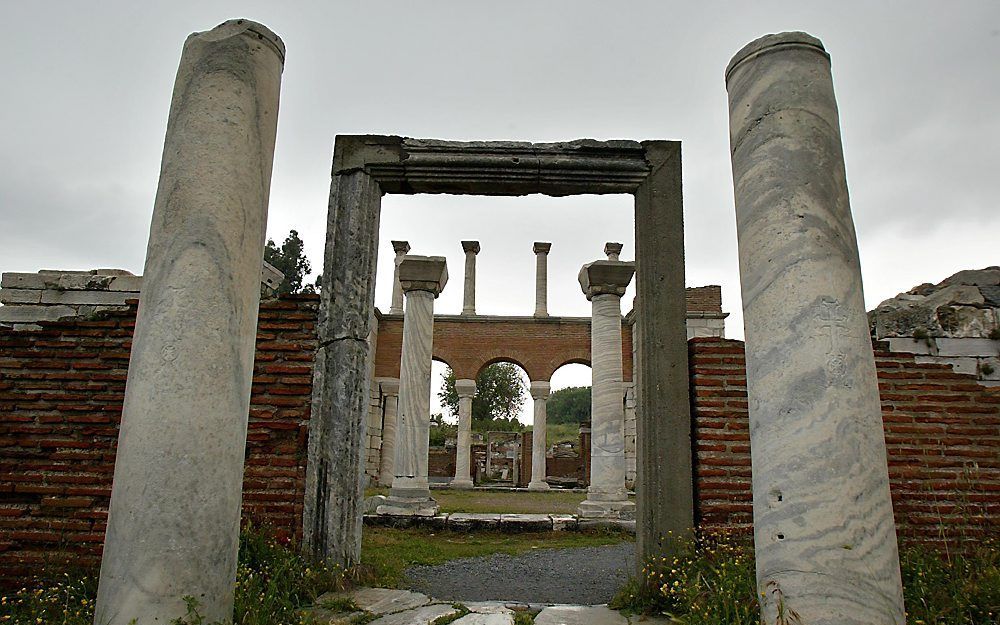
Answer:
(579, 615)
(418, 616)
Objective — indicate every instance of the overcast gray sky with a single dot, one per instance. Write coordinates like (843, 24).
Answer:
(87, 87)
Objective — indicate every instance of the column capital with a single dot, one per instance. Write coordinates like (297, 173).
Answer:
(423, 273)
(613, 249)
(541, 247)
(540, 389)
(401, 247)
(389, 386)
(606, 277)
(465, 388)
(470, 246)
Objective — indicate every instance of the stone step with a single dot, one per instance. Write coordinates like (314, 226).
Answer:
(499, 521)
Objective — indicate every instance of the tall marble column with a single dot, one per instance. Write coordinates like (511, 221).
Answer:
(823, 525)
(604, 282)
(173, 522)
(466, 390)
(422, 279)
(469, 304)
(390, 390)
(401, 248)
(541, 278)
(540, 394)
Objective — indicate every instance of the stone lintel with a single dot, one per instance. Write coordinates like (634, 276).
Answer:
(401, 247)
(540, 389)
(404, 165)
(541, 247)
(606, 277)
(471, 246)
(465, 388)
(423, 273)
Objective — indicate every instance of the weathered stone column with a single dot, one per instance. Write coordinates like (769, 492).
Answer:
(466, 390)
(173, 524)
(823, 525)
(541, 278)
(390, 389)
(604, 283)
(401, 248)
(471, 249)
(422, 279)
(613, 250)
(540, 394)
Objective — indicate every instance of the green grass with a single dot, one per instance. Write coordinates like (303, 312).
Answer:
(387, 552)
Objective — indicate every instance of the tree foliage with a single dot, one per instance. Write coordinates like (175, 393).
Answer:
(290, 259)
(500, 394)
(569, 405)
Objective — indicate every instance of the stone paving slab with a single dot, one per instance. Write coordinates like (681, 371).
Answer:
(579, 615)
(379, 600)
(485, 619)
(418, 616)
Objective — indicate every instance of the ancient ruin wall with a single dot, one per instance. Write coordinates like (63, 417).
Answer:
(942, 433)
(61, 390)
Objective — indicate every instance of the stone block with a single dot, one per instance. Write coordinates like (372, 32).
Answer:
(20, 296)
(461, 521)
(525, 523)
(967, 347)
(563, 522)
(486, 619)
(909, 345)
(418, 616)
(97, 298)
(33, 313)
(579, 615)
(380, 600)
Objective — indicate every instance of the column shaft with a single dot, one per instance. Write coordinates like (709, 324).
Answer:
(541, 278)
(540, 395)
(412, 436)
(401, 248)
(389, 423)
(469, 303)
(173, 524)
(823, 524)
(607, 448)
(466, 390)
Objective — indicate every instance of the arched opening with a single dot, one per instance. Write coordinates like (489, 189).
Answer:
(567, 434)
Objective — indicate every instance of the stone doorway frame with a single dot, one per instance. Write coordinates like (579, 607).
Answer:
(365, 167)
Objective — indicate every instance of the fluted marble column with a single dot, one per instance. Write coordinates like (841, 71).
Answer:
(422, 279)
(540, 395)
(390, 389)
(173, 523)
(401, 248)
(823, 523)
(466, 390)
(541, 278)
(469, 304)
(604, 282)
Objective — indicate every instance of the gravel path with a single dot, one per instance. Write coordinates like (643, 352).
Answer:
(586, 575)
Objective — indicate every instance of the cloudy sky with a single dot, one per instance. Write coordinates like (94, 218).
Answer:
(87, 87)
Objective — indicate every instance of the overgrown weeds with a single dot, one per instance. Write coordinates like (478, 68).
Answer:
(712, 582)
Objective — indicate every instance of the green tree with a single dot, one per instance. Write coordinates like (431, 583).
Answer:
(290, 260)
(499, 397)
(569, 405)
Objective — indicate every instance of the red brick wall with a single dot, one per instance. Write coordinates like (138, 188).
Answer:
(942, 433)
(61, 392)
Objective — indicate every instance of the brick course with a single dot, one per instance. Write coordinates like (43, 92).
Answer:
(61, 390)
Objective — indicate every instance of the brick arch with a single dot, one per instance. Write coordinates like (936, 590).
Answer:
(579, 360)
(468, 343)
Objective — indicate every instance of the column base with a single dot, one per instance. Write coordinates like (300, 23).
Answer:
(591, 509)
(405, 506)
(538, 485)
(461, 484)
